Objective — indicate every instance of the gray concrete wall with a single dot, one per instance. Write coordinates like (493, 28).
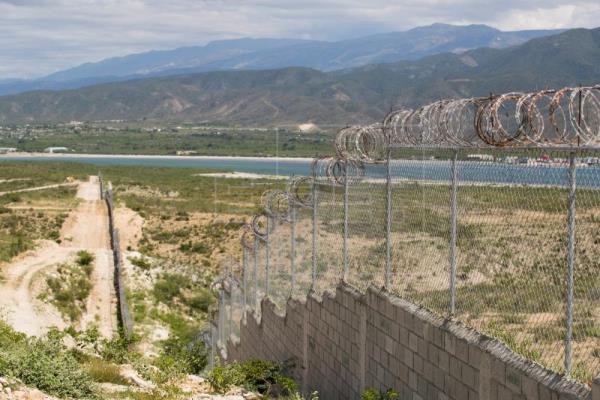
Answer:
(348, 342)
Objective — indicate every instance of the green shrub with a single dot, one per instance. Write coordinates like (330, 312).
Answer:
(84, 258)
(115, 350)
(169, 287)
(201, 300)
(43, 363)
(180, 355)
(255, 375)
(70, 289)
(141, 263)
(372, 394)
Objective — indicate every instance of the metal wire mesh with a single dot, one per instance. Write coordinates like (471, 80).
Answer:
(500, 232)
(420, 228)
(280, 273)
(329, 233)
(366, 229)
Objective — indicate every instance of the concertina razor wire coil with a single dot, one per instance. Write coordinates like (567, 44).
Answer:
(548, 118)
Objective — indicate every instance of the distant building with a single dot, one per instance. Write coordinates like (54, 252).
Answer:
(480, 157)
(186, 152)
(5, 150)
(56, 150)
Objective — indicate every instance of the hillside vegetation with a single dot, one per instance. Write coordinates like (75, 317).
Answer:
(297, 95)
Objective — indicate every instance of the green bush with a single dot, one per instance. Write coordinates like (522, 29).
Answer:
(182, 356)
(43, 363)
(372, 394)
(255, 375)
(141, 263)
(70, 289)
(115, 350)
(84, 258)
(201, 300)
(169, 287)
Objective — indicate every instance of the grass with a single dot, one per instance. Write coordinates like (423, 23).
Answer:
(20, 227)
(102, 371)
(70, 288)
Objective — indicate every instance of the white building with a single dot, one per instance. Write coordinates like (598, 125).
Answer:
(56, 150)
(5, 150)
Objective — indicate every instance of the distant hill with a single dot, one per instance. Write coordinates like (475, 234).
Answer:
(244, 54)
(296, 95)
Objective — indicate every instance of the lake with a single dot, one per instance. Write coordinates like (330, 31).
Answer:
(430, 170)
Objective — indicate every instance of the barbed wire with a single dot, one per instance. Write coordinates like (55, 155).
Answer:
(564, 117)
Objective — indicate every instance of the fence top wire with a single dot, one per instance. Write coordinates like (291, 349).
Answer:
(569, 117)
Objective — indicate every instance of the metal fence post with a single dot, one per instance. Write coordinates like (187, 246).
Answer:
(267, 255)
(388, 223)
(221, 327)
(211, 359)
(293, 247)
(345, 246)
(570, 262)
(230, 322)
(255, 275)
(453, 233)
(314, 232)
(244, 281)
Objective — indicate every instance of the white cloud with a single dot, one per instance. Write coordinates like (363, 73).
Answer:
(41, 36)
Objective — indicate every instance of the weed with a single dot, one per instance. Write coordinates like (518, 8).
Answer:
(103, 371)
(372, 394)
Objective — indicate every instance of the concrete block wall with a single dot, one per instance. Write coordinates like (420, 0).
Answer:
(348, 342)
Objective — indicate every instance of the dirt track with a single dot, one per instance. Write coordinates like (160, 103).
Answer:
(86, 228)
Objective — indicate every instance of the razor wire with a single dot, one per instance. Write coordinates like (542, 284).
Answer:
(489, 238)
(547, 118)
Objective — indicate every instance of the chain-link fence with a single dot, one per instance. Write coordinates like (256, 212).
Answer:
(503, 238)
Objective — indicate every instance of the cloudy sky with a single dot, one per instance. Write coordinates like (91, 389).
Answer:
(38, 37)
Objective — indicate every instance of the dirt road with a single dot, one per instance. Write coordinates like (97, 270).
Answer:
(86, 228)
(33, 189)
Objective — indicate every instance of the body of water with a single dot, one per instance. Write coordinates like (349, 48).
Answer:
(429, 170)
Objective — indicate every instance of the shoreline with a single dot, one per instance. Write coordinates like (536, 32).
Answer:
(155, 157)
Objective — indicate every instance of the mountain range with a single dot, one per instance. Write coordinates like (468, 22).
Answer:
(256, 54)
(296, 95)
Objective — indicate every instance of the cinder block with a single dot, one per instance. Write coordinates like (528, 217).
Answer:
(469, 376)
(504, 393)
(529, 388)
(474, 356)
(412, 380)
(473, 395)
(444, 361)
(596, 389)
(462, 391)
(413, 342)
(450, 343)
(513, 380)
(438, 378)
(498, 371)
(462, 350)
(389, 345)
(418, 364)
(432, 354)
(455, 368)
(408, 358)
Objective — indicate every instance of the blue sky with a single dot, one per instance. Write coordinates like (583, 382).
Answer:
(38, 37)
